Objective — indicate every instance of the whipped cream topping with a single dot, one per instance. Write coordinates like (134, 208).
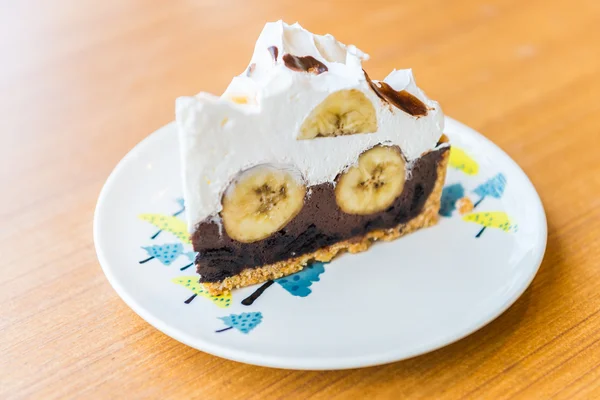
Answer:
(258, 118)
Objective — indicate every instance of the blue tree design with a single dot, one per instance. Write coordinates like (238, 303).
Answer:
(165, 253)
(450, 195)
(243, 322)
(299, 283)
(296, 284)
(493, 187)
(179, 201)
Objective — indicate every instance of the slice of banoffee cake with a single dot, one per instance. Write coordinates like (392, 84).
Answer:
(304, 157)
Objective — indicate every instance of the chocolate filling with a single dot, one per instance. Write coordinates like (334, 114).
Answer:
(320, 223)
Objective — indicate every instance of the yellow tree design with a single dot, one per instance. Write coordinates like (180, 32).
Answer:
(462, 161)
(181, 203)
(191, 283)
(168, 223)
(493, 219)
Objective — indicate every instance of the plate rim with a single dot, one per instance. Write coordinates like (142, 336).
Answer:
(310, 363)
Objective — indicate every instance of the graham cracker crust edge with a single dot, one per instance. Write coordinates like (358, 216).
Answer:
(427, 217)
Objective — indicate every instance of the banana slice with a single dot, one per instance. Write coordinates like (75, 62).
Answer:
(261, 201)
(374, 183)
(345, 112)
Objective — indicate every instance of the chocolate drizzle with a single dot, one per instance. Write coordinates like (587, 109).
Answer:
(401, 99)
(320, 223)
(250, 69)
(304, 64)
(274, 52)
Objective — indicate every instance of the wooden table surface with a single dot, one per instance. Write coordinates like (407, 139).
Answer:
(82, 82)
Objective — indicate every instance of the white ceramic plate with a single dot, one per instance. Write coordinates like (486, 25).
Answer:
(397, 300)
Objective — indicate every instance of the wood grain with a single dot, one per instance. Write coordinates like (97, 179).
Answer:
(82, 82)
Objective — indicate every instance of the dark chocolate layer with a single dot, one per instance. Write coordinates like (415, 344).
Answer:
(320, 223)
